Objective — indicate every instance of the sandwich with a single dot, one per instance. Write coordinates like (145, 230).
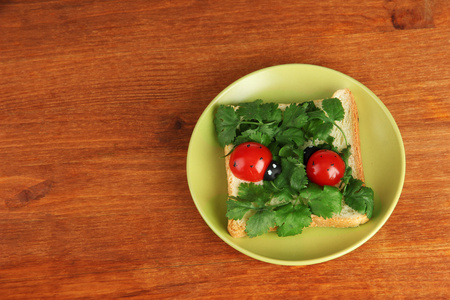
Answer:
(293, 166)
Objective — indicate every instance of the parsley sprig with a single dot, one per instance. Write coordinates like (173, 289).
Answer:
(289, 201)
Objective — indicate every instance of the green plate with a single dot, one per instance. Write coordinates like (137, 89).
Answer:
(382, 151)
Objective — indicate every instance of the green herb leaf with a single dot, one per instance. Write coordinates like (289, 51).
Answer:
(292, 219)
(290, 130)
(286, 150)
(299, 180)
(280, 183)
(333, 108)
(334, 112)
(318, 115)
(318, 129)
(237, 209)
(226, 122)
(257, 110)
(282, 196)
(255, 193)
(309, 106)
(249, 110)
(345, 179)
(323, 202)
(269, 128)
(359, 197)
(290, 150)
(345, 154)
(260, 222)
(294, 116)
(253, 135)
(290, 135)
(270, 112)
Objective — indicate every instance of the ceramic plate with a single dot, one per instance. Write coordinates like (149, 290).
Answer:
(382, 152)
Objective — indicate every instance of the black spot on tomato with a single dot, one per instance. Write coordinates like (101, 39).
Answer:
(251, 166)
(260, 158)
(234, 164)
(248, 145)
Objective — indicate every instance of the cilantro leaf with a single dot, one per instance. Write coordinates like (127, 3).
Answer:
(270, 112)
(294, 116)
(254, 121)
(237, 209)
(345, 154)
(286, 150)
(299, 180)
(249, 110)
(283, 180)
(292, 219)
(253, 135)
(323, 202)
(333, 108)
(279, 190)
(359, 197)
(269, 128)
(309, 106)
(290, 135)
(291, 180)
(334, 112)
(262, 112)
(346, 178)
(294, 173)
(226, 122)
(282, 196)
(262, 134)
(318, 115)
(318, 129)
(290, 150)
(290, 130)
(252, 192)
(260, 222)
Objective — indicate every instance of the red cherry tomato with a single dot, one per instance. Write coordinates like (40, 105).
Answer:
(249, 161)
(325, 167)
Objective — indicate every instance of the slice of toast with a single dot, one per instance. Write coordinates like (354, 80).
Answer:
(350, 125)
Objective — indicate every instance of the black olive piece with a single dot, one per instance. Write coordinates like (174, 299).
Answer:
(308, 152)
(272, 171)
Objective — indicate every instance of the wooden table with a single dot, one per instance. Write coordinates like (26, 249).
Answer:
(98, 100)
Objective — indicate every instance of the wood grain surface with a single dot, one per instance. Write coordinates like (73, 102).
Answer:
(98, 100)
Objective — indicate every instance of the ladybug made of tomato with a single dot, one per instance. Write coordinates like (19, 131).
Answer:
(323, 167)
(253, 162)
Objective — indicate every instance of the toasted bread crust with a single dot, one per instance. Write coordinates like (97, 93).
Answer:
(356, 145)
(236, 228)
(338, 222)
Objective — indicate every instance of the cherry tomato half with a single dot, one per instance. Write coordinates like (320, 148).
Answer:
(325, 167)
(249, 161)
